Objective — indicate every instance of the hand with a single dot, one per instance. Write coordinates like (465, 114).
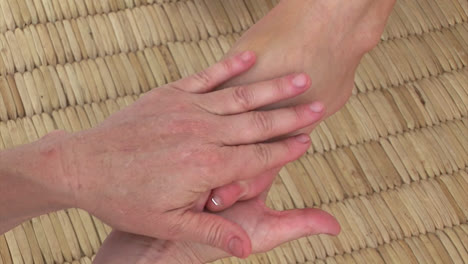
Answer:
(145, 168)
(326, 39)
(267, 229)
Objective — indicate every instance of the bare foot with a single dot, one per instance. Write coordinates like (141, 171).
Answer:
(324, 38)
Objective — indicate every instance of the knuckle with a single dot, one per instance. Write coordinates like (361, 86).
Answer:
(263, 154)
(299, 113)
(281, 85)
(209, 161)
(243, 97)
(227, 66)
(289, 148)
(203, 78)
(262, 122)
(212, 158)
(215, 234)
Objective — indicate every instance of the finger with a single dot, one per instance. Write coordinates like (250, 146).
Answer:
(224, 197)
(217, 74)
(246, 98)
(216, 231)
(249, 161)
(305, 222)
(264, 125)
(290, 225)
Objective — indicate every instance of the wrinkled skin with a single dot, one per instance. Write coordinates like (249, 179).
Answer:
(145, 168)
(266, 228)
(326, 39)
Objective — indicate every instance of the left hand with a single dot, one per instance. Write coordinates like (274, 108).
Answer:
(267, 229)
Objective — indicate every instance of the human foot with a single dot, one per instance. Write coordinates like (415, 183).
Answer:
(324, 38)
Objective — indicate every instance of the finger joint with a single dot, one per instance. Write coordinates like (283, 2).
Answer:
(263, 154)
(263, 122)
(281, 86)
(228, 66)
(243, 97)
(203, 78)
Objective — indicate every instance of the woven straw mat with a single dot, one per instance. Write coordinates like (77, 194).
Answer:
(391, 166)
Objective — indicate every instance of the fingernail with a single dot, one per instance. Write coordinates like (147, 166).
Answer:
(303, 138)
(235, 248)
(216, 200)
(316, 107)
(246, 56)
(300, 81)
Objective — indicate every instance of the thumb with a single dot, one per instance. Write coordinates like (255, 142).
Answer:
(218, 232)
(286, 226)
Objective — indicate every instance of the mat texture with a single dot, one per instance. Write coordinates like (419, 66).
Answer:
(391, 166)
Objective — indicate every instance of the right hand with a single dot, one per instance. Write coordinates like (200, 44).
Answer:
(147, 167)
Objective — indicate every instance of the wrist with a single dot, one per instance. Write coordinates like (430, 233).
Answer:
(32, 182)
(43, 166)
(51, 168)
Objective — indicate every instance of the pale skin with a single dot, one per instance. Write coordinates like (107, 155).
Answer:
(337, 34)
(326, 39)
(150, 168)
(267, 229)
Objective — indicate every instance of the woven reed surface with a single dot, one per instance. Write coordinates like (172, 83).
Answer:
(391, 166)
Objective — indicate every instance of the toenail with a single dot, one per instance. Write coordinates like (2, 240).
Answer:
(300, 80)
(316, 107)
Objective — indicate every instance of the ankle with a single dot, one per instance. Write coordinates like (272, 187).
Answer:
(366, 23)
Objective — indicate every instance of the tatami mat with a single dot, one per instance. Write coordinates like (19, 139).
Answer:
(392, 165)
